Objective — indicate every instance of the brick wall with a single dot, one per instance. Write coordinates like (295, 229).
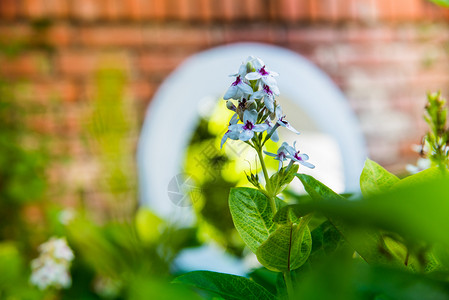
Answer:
(383, 54)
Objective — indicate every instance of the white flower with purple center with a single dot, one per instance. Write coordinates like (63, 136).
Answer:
(296, 156)
(232, 134)
(262, 73)
(280, 155)
(267, 93)
(249, 126)
(238, 89)
(282, 121)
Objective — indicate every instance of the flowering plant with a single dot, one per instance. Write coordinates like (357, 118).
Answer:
(357, 244)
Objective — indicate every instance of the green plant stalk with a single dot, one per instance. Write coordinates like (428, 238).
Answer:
(267, 178)
(288, 283)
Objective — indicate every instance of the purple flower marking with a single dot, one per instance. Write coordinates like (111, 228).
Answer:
(295, 155)
(281, 154)
(282, 121)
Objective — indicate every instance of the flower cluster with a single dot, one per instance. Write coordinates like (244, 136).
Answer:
(252, 99)
(50, 269)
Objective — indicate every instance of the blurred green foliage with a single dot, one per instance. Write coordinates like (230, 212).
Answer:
(441, 2)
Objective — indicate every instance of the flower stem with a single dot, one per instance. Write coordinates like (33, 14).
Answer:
(267, 178)
(288, 283)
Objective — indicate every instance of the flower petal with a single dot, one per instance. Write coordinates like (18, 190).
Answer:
(234, 119)
(253, 76)
(270, 81)
(250, 115)
(245, 88)
(246, 135)
(230, 106)
(270, 154)
(275, 89)
(230, 93)
(307, 164)
(223, 140)
(260, 127)
(258, 63)
(269, 103)
(242, 70)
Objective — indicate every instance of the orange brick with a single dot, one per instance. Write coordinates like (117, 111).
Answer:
(159, 9)
(253, 34)
(112, 36)
(60, 35)
(385, 9)
(312, 35)
(113, 10)
(87, 10)
(159, 64)
(142, 90)
(49, 90)
(34, 8)
(9, 9)
(56, 8)
(135, 9)
(253, 10)
(292, 10)
(76, 63)
(327, 10)
(409, 9)
(346, 10)
(175, 36)
(182, 9)
(208, 9)
(227, 10)
(26, 65)
(17, 33)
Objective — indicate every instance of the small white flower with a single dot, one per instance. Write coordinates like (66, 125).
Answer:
(267, 93)
(296, 156)
(282, 121)
(57, 248)
(249, 126)
(47, 272)
(232, 134)
(262, 73)
(238, 89)
(52, 265)
(281, 154)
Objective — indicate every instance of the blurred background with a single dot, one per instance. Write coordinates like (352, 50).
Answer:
(77, 77)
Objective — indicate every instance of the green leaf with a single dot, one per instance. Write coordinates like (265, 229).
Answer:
(326, 240)
(288, 214)
(428, 175)
(366, 242)
(252, 215)
(375, 179)
(280, 180)
(225, 285)
(441, 2)
(286, 249)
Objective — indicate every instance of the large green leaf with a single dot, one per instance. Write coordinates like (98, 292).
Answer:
(286, 249)
(252, 215)
(427, 175)
(366, 242)
(225, 285)
(375, 179)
